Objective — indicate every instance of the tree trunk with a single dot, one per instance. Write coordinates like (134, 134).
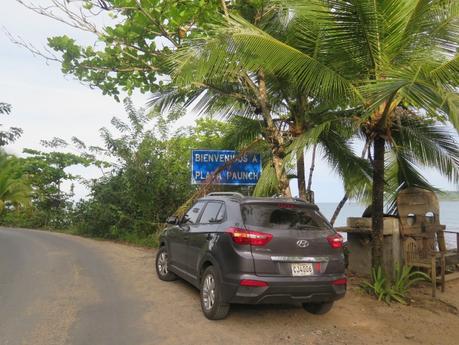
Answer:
(301, 175)
(311, 169)
(225, 9)
(309, 193)
(274, 137)
(378, 202)
(346, 195)
(338, 209)
(282, 179)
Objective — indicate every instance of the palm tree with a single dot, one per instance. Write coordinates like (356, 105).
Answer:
(415, 142)
(14, 189)
(380, 55)
(303, 124)
(283, 112)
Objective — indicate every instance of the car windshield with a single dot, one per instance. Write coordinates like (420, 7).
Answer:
(283, 216)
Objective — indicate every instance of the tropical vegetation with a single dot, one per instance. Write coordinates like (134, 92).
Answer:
(396, 290)
(287, 77)
(145, 178)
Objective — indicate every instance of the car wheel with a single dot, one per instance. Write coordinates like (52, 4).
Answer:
(211, 295)
(318, 308)
(161, 266)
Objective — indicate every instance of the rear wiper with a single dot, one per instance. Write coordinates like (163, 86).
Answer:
(306, 226)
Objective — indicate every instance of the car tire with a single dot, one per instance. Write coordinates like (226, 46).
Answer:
(318, 308)
(161, 266)
(211, 295)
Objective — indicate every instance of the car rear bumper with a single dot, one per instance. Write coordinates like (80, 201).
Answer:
(285, 290)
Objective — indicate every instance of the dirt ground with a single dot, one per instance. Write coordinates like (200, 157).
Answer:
(72, 290)
(175, 314)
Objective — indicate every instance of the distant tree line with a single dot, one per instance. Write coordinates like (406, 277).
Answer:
(146, 176)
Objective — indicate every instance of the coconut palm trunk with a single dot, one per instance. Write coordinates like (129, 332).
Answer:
(274, 136)
(378, 201)
(339, 208)
(301, 175)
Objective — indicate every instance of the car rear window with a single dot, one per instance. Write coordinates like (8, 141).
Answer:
(283, 216)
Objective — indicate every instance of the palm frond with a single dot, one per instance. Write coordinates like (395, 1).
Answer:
(400, 173)
(243, 131)
(353, 170)
(448, 72)
(429, 144)
(243, 47)
(267, 184)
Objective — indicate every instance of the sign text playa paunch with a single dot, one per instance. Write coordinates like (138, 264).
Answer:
(245, 170)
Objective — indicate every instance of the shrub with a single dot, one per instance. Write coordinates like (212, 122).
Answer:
(397, 291)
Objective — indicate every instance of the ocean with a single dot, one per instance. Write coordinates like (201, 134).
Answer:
(449, 215)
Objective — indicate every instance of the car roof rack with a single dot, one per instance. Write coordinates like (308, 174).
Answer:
(301, 200)
(226, 194)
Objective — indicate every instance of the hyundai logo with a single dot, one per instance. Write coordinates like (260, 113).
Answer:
(302, 243)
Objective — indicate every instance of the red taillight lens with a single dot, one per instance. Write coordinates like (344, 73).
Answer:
(342, 281)
(254, 238)
(252, 283)
(336, 241)
(317, 267)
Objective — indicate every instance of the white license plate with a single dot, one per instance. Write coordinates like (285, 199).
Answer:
(300, 270)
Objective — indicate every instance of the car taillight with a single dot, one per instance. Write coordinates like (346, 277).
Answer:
(254, 238)
(342, 281)
(317, 267)
(335, 241)
(252, 283)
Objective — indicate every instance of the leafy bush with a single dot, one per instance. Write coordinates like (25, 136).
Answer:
(23, 218)
(406, 277)
(397, 291)
(147, 180)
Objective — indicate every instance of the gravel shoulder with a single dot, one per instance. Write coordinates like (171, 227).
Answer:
(62, 289)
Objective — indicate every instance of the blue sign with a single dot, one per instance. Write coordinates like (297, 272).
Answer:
(243, 170)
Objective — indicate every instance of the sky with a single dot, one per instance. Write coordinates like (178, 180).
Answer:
(46, 103)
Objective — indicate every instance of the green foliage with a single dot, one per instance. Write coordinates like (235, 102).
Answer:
(147, 180)
(131, 49)
(396, 291)
(405, 277)
(14, 187)
(378, 285)
(360, 55)
(370, 58)
(150, 180)
(13, 133)
(30, 218)
(46, 173)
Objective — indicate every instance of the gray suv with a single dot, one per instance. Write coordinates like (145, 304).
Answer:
(238, 249)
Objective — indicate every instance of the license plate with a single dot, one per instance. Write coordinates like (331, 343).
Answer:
(300, 270)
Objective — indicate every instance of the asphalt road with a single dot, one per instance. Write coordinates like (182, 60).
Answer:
(58, 289)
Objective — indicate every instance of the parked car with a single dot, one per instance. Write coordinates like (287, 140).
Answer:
(238, 249)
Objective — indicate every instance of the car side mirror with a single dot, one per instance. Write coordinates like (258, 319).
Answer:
(184, 227)
(173, 220)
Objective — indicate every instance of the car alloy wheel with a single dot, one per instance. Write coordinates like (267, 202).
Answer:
(211, 295)
(208, 292)
(162, 264)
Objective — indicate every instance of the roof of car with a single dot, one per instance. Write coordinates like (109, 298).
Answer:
(238, 197)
